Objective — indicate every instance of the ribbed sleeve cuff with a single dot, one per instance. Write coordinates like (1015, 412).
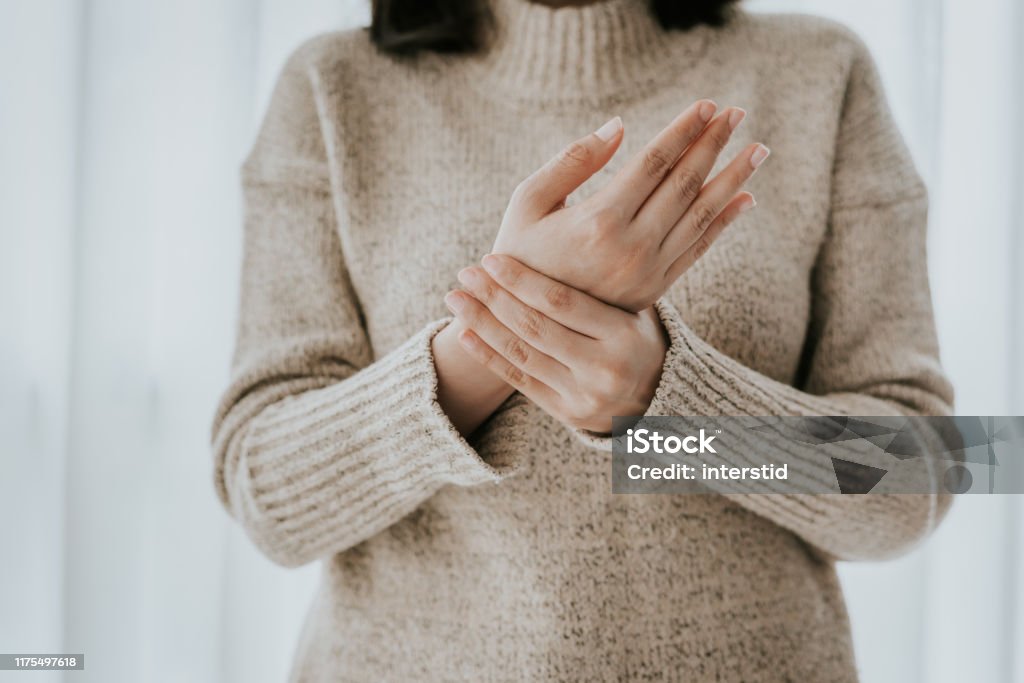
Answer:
(328, 468)
(699, 380)
(696, 379)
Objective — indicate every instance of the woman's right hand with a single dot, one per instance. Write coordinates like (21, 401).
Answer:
(632, 239)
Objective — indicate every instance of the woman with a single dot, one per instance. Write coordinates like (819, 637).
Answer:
(443, 452)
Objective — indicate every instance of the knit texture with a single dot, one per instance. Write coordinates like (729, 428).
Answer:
(506, 557)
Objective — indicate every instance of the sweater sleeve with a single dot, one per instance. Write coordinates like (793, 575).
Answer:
(872, 348)
(317, 444)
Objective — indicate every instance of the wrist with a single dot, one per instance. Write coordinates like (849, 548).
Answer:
(456, 363)
(658, 350)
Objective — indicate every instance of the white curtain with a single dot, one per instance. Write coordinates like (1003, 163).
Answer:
(122, 125)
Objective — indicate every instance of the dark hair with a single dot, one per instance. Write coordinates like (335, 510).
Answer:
(404, 26)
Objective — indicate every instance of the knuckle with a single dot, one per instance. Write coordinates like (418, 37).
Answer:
(612, 373)
(516, 351)
(521, 188)
(575, 155)
(560, 297)
(531, 324)
(514, 375)
(606, 220)
(701, 246)
(484, 292)
(688, 184)
(656, 161)
(525, 192)
(703, 215)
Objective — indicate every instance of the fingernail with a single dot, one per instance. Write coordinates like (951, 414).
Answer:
(736, 117)
(759, 155)
(707, 110)
(467, 340)
(749, 204)
(454, 302)
(610, 129)
(491, 263)
(469, 276)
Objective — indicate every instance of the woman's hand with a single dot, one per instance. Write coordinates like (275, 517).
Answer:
(578, 358)
(632, 239)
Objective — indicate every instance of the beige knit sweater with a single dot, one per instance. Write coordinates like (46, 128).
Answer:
(506, 557)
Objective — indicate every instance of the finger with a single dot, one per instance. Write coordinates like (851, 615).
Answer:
(548, 187)
(645, 171)
(533, 389)
(673, 197)
(570, 307)
(538, 330)
(742, 203)
(713, 199)
(512, 348)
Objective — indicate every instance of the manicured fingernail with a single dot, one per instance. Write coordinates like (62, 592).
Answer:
(736, 117)
(454, 302)
(706, 110)
(491, 263)
(469, 277)
(610, 129)
(759, 155)
(749, 204)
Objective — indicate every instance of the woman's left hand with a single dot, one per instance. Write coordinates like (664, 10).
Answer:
(579, 359)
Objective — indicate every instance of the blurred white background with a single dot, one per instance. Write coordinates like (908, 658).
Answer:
(122, 127)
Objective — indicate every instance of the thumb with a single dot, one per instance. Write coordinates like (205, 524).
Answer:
(550, 185)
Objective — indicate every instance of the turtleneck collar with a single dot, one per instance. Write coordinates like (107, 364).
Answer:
(579, 54)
